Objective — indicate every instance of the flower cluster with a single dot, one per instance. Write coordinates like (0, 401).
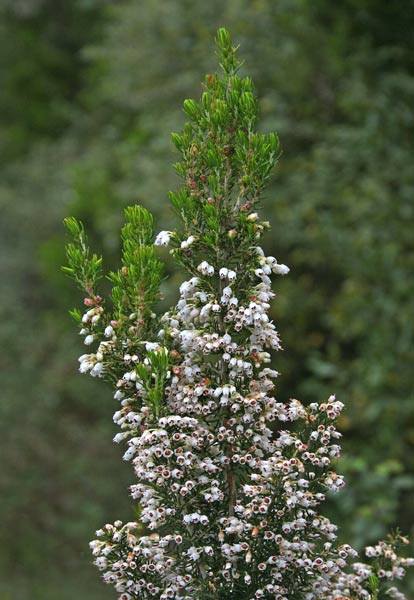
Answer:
(229, 480)
(386, 565)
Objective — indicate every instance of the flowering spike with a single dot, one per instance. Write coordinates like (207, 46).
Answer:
(230, 481)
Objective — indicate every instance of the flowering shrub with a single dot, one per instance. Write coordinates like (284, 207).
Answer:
(228, 479)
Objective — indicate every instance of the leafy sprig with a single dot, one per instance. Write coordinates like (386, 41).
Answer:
(136, 284)
(83, 266)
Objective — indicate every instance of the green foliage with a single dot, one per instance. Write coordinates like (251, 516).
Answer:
(41, 68)
(154, 386)
(374, 584)
(85, 269)
(136, 285)
(225, 166)
(135, 289)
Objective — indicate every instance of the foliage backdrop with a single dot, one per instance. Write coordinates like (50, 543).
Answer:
(90, 93)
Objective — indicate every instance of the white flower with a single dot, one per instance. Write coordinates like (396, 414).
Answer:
(205, 268)
(129, 453)
(280, 269)
(86, 362)
(193, 554)
(186, 243)
(163, 238)
(88, 340)
(186, 289)
(120, 436)
(109, 331)
(97, 370)
(151, 346)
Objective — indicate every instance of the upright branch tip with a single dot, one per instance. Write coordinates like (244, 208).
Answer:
(226, 52)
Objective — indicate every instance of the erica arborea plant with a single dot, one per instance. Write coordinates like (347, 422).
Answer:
(229, 480)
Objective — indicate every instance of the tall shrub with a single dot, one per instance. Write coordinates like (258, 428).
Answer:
(229, 480)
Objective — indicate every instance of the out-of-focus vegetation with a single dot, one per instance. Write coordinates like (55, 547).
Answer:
(90, 91)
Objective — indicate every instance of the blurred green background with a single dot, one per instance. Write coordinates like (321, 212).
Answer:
(90, 91)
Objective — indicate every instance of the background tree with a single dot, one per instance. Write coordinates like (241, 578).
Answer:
(336, 83)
